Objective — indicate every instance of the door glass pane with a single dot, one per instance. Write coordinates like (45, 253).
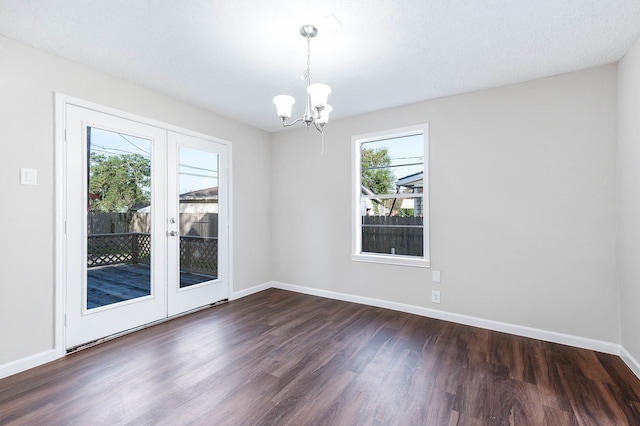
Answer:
(118, 217)
(198, 207)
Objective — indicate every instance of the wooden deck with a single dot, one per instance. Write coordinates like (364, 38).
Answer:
(116, 283)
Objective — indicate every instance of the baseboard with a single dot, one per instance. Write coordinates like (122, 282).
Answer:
(26, 363)
(535, 333)
(249, 291)
(631, 362)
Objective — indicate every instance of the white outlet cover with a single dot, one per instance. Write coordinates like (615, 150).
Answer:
(28, 176)
(435, 296)
(435, 276)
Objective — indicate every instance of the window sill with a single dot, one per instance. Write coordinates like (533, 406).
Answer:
(392, 260)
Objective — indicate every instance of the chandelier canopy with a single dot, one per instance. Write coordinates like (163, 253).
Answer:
(317, 110)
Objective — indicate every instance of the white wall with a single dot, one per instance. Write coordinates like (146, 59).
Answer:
(28, 80)
(628, 238)
(522, 206)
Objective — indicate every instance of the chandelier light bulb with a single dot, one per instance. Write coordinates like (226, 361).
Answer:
(319, 93)
(284, 105)
(324, 115)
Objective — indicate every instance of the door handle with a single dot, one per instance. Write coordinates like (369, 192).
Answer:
(173, 233)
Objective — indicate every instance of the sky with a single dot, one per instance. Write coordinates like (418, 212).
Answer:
(198, 169)
(404, 153)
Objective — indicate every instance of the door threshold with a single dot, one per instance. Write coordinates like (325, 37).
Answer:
(93, 343)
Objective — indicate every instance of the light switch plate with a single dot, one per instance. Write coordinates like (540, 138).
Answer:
(435, 276)
(28, 176)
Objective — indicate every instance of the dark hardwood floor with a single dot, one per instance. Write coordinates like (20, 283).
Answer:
(282, 358)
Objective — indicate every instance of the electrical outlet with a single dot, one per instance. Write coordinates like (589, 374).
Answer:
(435, 296)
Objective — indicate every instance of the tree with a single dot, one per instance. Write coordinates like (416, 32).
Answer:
(376, 174)
(119, 181)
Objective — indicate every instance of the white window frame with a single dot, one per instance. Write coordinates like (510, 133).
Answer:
(356, 240)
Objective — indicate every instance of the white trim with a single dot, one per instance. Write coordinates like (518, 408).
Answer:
(28, 362)
(65, 99)
(417, 129)
(59, 212)
(249, 291)
(534, 333)
(390, 196)
(631, 362)
(230, 235)
(388, 259)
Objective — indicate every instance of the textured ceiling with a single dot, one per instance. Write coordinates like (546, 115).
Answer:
(233, 56)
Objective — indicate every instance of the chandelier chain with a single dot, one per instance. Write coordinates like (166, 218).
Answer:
(307, 73)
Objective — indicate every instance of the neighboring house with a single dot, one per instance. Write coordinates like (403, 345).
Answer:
(199, 201)
(367, 205)
(198, 214)
(415, 182)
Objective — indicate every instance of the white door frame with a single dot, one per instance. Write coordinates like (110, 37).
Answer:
(60, 249)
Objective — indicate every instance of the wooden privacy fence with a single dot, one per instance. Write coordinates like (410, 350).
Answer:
(193, 224)
(197, 254)
(109, 223)
(402, 235)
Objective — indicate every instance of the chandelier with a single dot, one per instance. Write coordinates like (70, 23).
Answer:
(317, 110)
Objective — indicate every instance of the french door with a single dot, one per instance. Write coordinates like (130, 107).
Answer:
(146, 218)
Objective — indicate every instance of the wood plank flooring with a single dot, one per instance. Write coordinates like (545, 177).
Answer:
(282, 358)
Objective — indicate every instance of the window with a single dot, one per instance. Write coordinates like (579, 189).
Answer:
(391, 197)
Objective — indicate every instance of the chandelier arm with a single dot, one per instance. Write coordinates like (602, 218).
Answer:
(285, 124)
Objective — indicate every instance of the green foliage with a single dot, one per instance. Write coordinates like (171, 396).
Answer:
(376, 175)
(405, 212)
(119, 181)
